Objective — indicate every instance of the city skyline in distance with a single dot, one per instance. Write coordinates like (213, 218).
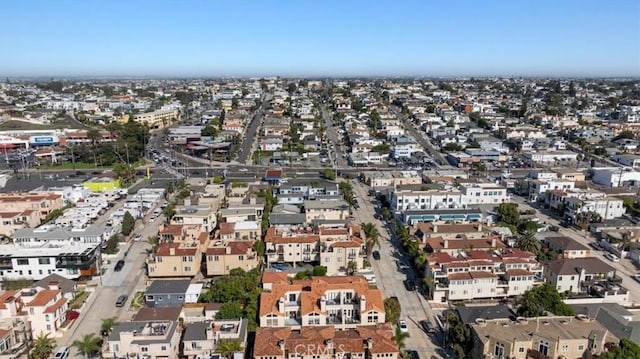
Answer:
(329, 39)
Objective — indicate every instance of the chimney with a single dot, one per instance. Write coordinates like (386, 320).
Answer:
(281, 344)
(435, 228)
(54, 285)
(172, 251)
(446, 244)
(369, 342)
(479, 227)
(493, 241)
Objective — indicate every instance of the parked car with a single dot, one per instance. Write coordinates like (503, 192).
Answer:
(279, 267)
(637, 277)
(62, 353)
(427, 326)
(119, 265)
(403, 326)
(137, 237)
(412, 354)
(401, 266)
(612, 257)
(121, 301)
(375, 255)
(595, 245)
(409, 285)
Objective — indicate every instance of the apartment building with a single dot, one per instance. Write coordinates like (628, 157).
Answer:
(202, 337)
(321, 342)
(538, 188)
(157, 119)
(476, 274)
(202, 215)
(342, 302)
(15, 336)
(70, 260)
(223, 256)
(12, 221)
(328, 210)
(177, 259)
(332, 247)
(41, 202)
(150, 339)
(605, 207)
(46, 310)
(541, 337)
(471, 194)
(587, 277)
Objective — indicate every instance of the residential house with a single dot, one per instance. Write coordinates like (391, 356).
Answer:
(320, 342)
(41, 202)
(11, 221)
(588, 276)
(46, 310)
(201, 338)
(330, 210)
(150, 339)
(189, 214)
(177, 259)
(627, 160)
(343, 302)
(223, 256)
(567, 247)
(166, 293)
(541, 337)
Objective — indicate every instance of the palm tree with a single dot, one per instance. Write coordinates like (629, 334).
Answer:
(392, 310)
(107, 324)
(352, 267)
(228, 347)
(88, 345)
(43, 346)
(372, 236)
(399, 337)
(529, 243)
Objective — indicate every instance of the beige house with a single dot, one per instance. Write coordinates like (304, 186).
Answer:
(321, 342)
(202, 338)
(331, 210)
(342, 302)
(41, 202)
(157, 119)
(175, 260)
(185, 234)
(150, 339)
(240, 231)
(225, 256)
(567, 247)
(46, 310)
(202, 215)
(542, 337)
(11, 221)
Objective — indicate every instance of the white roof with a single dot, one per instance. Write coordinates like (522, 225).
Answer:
(245, 225)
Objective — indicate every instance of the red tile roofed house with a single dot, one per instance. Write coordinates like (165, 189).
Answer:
(175, 260)
(482, 274)
(273, 175)
(221, 257)
(341, 301)
(10, 221)
(322, 342)
(46, 310)
(42, 202)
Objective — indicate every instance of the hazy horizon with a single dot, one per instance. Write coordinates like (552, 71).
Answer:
(295, 39)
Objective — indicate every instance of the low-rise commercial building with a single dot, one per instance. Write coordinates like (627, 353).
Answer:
(157, 119)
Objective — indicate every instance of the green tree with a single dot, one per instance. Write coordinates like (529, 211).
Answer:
(42, 346)
(210, 131)
(88, 345)
(392, 310)
(627, 349)
(319, 271)
(352, 267)
(228, 347)
(229, 310)
(128, 222)
(399, 337)
(540, 300)
(508, 213)
(329, 174)
(528, 242)
(259, 247)
(372, 236)
(107, 324)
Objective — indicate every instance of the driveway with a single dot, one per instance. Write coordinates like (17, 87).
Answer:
(390, 279)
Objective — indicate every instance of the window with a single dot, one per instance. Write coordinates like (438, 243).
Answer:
(48, 326)
(164, 347)
(216, 258)
(144, 349)
(240, 258)
(31, 311)
(543, 347)
(499, 350)
(23, 262)
(46, 317)
(581, 347)
(521, 350)
(150, 298)
(187, 269)
(44, 260)
(565, 347)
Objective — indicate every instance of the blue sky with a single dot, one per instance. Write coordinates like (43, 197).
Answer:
(320, 38)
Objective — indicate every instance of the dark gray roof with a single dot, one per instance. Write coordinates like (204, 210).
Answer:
(470, 314)
(196, 331)
(285, 218)
(592, 310)
(619, 326)
(168, 287)
(591, 265)
(65, 285)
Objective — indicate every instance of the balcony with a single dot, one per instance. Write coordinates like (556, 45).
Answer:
(292, 322)
(77, 263)
(333, 301)
(291, 304)
(334, 319)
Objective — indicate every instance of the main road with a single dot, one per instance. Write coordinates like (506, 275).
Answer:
(390, 278)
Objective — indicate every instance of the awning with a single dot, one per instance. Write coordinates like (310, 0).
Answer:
(474, 216)
(7, 146)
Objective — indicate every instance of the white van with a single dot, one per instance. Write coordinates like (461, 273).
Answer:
(62, 353)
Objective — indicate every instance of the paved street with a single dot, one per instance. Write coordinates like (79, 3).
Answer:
(422, 139)
(625, 269)
(251, 133)
(336, 139)
(390, 279)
